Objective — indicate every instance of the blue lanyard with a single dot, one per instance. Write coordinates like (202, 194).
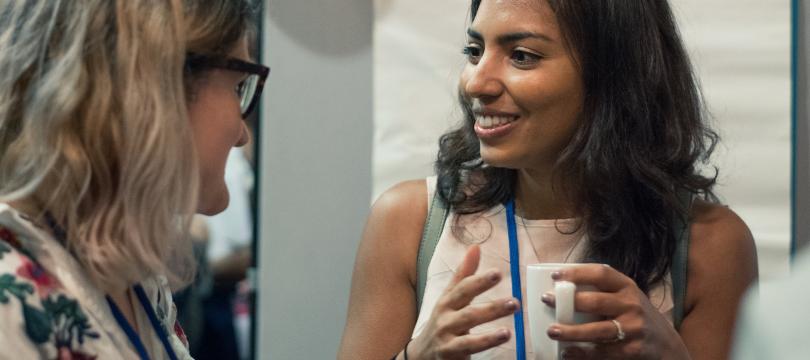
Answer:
(61, 235)
(132, 335)
(514, 265)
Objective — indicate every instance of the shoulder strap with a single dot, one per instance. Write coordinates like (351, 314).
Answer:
(434, 225)
(680, 262)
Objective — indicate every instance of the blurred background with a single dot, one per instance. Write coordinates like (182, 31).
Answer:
(359, 93)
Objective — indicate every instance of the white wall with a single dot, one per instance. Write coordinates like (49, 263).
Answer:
(417, 59)
(315, 172)
(741, 50)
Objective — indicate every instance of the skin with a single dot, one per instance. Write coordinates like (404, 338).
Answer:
(382, 306)
(536, 79)
(217, 126)
(722, 264)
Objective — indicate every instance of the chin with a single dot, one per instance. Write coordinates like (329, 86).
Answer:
(209, 206)
(498, 158)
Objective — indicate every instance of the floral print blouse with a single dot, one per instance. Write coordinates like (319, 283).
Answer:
(49, 309)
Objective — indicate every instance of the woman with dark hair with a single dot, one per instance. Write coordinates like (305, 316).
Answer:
(585, 127)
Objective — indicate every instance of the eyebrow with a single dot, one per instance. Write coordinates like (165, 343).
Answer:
(510, 37)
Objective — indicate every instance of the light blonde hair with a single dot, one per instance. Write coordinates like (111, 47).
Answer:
(94, 129)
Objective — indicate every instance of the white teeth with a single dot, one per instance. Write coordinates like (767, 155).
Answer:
(489, 122)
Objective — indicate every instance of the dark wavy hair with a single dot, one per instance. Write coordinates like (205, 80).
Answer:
(635, 154)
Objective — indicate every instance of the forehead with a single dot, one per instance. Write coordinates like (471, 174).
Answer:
(516, 15)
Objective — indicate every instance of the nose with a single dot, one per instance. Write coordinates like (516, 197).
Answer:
(244, 138)
(484, 79)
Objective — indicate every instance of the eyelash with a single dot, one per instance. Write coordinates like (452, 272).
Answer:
(469, 51)
(473, 53)
(239, 86)
(534, 58)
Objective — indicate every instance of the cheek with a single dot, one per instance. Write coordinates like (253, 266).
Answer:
(216, 128)
(554, 108)
(212, 156)
(216, 120)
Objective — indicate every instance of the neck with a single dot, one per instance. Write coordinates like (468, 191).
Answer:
(537, 199)
(122, 300)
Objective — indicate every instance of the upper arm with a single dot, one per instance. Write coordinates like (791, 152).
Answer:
(382, 305)
(722, 265)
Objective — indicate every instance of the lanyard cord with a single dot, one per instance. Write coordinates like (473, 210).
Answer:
(514, 265)
(132, 335)
(61, 235)
(164, 337)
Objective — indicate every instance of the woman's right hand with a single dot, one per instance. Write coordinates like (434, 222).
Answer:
(447, 333)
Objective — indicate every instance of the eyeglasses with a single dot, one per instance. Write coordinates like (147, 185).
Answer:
(249, 90)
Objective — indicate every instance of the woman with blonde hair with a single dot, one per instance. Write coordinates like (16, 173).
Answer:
(116, 119)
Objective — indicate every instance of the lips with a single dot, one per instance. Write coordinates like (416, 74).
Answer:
(489, 126)
(491, 122)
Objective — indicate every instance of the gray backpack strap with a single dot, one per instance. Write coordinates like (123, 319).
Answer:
(680, 263)
(434, 225)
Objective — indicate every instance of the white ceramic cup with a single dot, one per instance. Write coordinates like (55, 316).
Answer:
(541, 316)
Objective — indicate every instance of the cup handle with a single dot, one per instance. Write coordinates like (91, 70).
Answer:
(564, 301)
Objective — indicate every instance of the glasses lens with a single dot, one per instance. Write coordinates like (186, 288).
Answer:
(247, 90)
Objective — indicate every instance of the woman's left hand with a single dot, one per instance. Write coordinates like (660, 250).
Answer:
(647, 334)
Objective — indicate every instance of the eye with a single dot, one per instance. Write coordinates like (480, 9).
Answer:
(239, 88)
(524, 58)
(473, 52)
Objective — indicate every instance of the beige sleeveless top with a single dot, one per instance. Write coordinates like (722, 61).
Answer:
(539, 241)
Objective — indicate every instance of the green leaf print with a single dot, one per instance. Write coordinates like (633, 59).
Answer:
(37, 324)
(4, 249)
(69, 321)
(9, 285)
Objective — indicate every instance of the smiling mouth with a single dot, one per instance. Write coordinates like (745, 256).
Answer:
(491, 122)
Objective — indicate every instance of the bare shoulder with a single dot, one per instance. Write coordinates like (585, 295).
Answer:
(722, 252)
(382, 305)
(402, 202)
(395, 224)
(718, 231)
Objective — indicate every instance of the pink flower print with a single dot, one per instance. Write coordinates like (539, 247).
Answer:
(178, 330)
(43, 281)
(9, 237)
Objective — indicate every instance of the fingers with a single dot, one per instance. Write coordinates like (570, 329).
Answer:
(465, 291)
(473, 343)
(598, 332)
(468, 266)
(593, 302)
(603, 277)
(471, 316)
(465, 286)
(454, 315)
